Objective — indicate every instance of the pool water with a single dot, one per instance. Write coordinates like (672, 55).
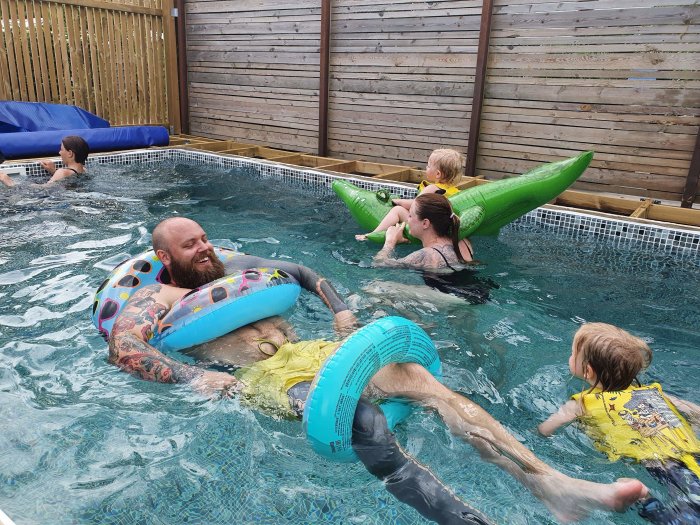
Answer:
(83, 443)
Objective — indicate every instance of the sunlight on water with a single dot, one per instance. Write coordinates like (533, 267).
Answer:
(84, 443)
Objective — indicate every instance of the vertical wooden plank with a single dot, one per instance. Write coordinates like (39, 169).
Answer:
(62, 61)
(86, 62)
(479, 87)
(77, 60)
(129, 69)
(105, 36)
(121, 100)
(43, 80)
(691, 183)
(151, 73)
(54, 51)
(182, 67)
(159, 69)
(324, 70)
(70, 66)
(171, 67)
(48, 45)
(144, 92)
(133, 69)
(137, 71)
(94, 44)
(21, 53)
(33, 65)
(5, 84)
(126, 107)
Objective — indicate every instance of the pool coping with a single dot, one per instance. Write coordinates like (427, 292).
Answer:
(658, 235)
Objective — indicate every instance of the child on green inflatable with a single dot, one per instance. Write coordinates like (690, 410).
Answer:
(443, 169)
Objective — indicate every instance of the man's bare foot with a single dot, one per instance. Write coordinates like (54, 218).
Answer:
(361, 237)
(574, 499)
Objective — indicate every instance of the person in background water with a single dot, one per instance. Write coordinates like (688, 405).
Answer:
(74, 152)
(626, 419)
(443, 169)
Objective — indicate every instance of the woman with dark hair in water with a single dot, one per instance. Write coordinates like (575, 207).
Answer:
(431, 221)
(443, 257)
(74, 152)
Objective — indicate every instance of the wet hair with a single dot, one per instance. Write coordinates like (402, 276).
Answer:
(78, 146)
(449, 162)
(437, 209)
(615, 355)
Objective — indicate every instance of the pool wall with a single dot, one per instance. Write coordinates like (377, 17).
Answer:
(662, 237)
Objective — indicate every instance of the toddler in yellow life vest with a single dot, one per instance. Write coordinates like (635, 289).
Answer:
(443, 170)
(638, 422)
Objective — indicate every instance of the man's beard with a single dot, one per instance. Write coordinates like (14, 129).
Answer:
(187, 275)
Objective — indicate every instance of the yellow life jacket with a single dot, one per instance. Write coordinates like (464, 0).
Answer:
(639, 423)
(448, 190)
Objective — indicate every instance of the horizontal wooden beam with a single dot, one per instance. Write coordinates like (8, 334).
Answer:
(109, 6)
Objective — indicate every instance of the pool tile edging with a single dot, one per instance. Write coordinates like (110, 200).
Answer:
(655, 235)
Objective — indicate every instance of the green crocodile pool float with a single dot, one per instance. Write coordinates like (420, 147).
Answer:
(482, 209)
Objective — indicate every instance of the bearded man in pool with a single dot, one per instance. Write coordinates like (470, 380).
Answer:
(183, 247)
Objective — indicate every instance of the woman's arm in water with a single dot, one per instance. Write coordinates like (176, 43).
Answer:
(421, 259)
(57, 176)
(130, 351)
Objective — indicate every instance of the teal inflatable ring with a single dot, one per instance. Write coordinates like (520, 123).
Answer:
(330, 406)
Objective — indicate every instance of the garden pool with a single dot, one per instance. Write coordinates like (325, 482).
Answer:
(83, 443)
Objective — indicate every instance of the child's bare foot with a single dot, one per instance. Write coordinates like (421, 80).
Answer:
(574, 499)
(361, 237)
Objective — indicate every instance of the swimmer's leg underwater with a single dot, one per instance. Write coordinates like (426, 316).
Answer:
(403, 476)
(683, 503)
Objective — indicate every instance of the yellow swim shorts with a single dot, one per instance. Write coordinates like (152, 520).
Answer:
(266, 382)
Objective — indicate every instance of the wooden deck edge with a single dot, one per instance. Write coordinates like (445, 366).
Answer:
(633, 208)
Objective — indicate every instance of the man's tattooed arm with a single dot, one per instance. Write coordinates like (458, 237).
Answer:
(128, 343)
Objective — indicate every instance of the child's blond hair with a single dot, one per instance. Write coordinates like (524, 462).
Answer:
(615, 355)
(449, 162)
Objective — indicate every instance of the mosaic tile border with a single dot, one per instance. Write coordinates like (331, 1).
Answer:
(574, 224)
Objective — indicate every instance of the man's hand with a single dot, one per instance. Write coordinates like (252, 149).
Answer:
(49, 166)
(213, 384)
(344, 323)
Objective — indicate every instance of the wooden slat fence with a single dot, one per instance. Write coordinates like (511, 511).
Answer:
(253, 71)
(620, 77)
(109, 57)
(402, 78)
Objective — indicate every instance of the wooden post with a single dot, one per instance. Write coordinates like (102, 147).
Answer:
(171, 67)
(482, 56)
(182, 66)
(324, 68)
(691, 183)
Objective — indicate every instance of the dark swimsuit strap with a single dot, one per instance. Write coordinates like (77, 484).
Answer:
(444, 258)
(469, 248)
(73, 170)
